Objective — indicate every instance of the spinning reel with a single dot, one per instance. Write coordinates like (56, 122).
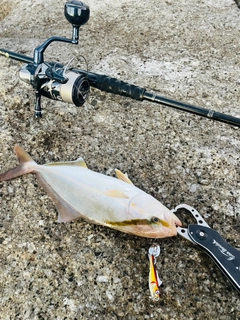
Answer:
(58, 82)
(54, 80)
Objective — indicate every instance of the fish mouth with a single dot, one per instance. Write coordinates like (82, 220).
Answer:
(173, 222)
(176, 221)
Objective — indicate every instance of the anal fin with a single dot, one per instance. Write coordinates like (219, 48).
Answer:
(65, 211)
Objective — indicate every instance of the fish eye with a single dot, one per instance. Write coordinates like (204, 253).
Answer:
(155, 219)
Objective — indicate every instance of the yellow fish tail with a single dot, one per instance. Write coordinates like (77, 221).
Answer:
(25, 159)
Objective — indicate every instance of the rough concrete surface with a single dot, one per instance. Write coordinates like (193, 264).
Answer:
(186, 50)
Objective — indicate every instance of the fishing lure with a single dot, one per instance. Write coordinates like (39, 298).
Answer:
(78, 192)
(154, 281)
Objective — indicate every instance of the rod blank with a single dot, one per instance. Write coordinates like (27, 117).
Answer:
(207, 113)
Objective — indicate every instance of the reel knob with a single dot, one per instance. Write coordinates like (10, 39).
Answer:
(76, 12)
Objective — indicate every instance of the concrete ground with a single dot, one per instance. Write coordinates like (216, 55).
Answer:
(188, 51)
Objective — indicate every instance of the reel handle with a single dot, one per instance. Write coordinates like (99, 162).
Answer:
(76, 12)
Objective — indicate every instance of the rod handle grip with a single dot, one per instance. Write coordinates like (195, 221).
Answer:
(115, 86)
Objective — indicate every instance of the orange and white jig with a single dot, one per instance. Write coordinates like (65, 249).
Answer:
(154, 281)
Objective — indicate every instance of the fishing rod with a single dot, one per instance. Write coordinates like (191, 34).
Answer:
(60, 82)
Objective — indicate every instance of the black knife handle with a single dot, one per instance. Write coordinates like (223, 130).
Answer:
(223, 254)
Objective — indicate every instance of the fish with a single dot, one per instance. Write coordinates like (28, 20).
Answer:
(78, 192)
(154, 281)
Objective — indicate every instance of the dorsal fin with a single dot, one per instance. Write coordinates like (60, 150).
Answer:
(122, 176)
(79, 162)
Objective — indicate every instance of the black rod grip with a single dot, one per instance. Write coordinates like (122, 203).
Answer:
(113, 85)
(226, 257)
(121, 88)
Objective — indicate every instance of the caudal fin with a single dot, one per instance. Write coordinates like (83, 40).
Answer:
(26, 165)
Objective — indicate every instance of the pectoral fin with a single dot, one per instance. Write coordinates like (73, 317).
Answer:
(122, 176)
(116, 194)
